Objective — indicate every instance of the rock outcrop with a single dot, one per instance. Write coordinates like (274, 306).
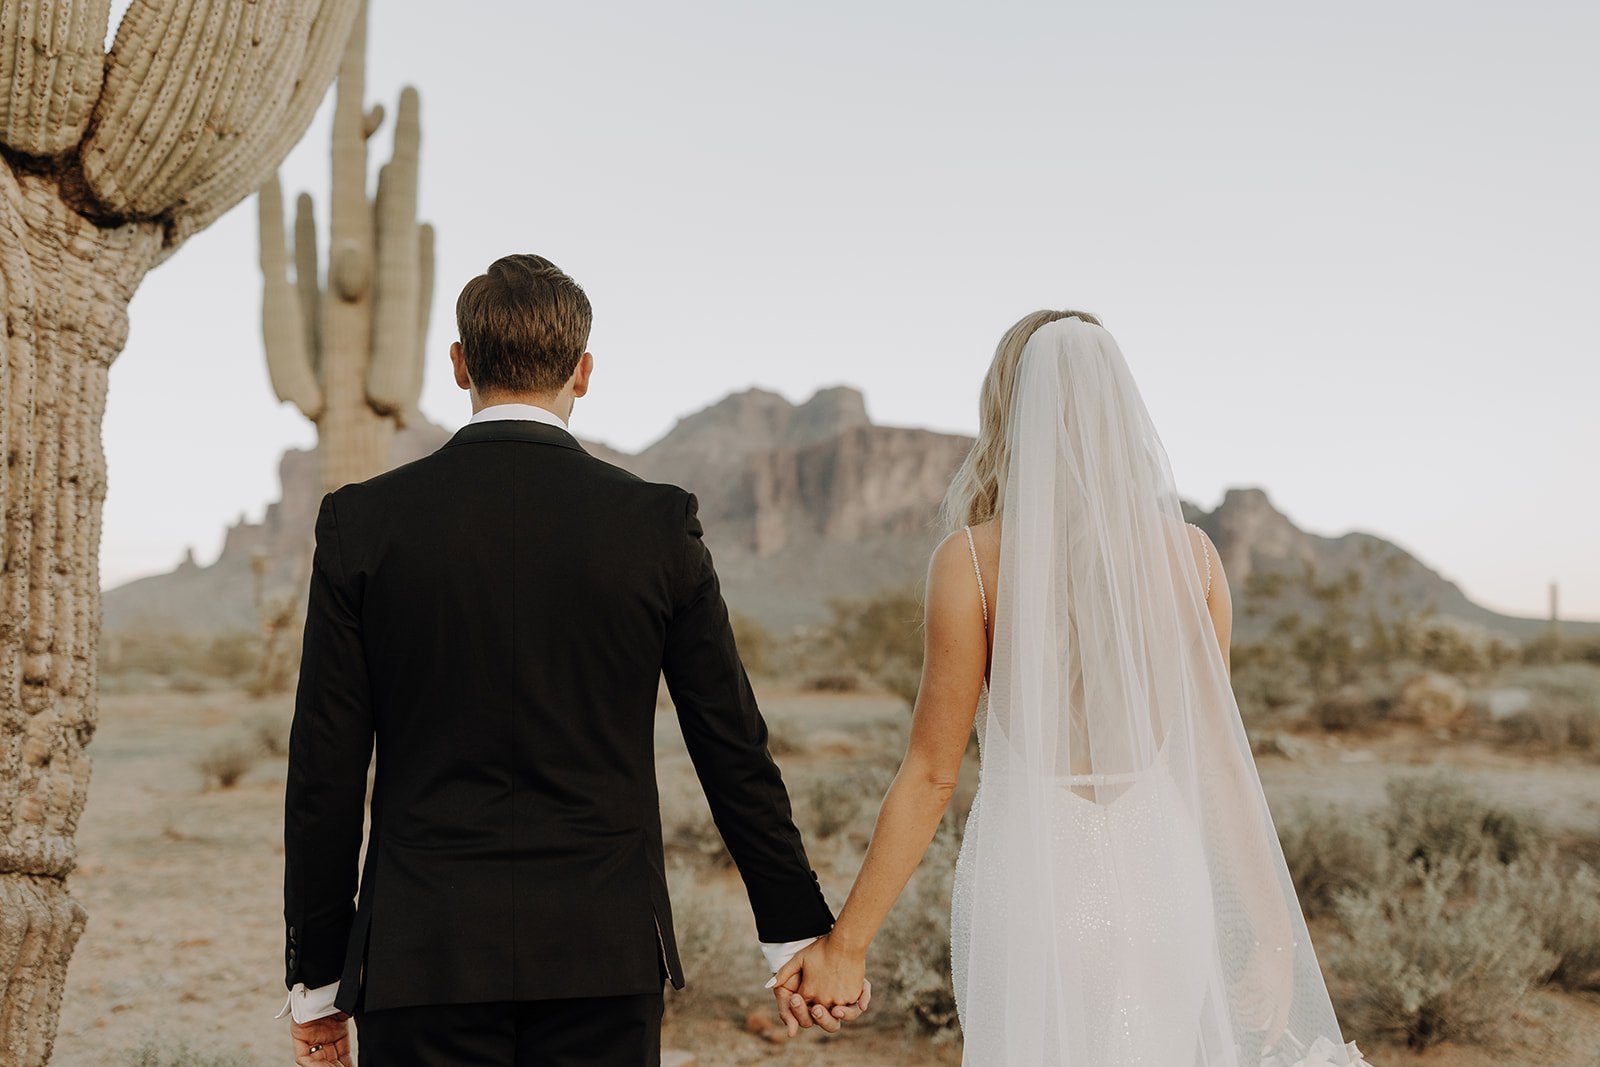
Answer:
(802, 503)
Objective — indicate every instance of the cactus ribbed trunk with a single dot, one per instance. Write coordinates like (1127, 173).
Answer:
(66, 287)
(353, 439)
(107, 164)
(349, 352)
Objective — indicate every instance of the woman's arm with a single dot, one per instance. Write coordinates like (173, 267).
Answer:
(956, 651)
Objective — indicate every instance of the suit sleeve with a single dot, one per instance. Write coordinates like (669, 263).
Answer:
(330, 747)
(727, 740)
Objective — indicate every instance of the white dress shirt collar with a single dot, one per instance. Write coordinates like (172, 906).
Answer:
(525, 412)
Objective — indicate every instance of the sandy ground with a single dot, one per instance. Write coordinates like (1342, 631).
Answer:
(183, 885)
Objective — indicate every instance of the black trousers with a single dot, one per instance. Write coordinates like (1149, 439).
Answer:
(582, 1032)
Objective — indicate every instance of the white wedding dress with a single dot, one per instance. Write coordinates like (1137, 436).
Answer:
(1120, 898)
(1131, 908)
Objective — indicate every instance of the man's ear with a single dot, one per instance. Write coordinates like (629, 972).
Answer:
(458, 362)
(580, 377)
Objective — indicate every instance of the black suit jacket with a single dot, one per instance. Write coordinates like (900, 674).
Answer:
(494, 618)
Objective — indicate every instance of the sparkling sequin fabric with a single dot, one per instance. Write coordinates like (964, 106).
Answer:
(1135, 904)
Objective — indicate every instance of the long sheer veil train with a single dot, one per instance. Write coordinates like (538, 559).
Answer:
(1122, 897)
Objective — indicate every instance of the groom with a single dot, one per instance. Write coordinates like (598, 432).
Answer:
(494, 619)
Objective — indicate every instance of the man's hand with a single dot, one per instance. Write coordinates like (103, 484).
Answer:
(322, 1041)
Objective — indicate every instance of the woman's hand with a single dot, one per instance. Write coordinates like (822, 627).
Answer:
(796, 1014)
(831, 976)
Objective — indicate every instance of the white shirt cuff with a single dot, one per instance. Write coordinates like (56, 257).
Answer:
(304, 1004)
(779, 955)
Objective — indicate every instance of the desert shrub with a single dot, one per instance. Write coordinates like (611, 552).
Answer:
(1350, 708)
(1564, 712)
(1551, 647)
(832, 682)
(231, 656)
(155, 1053)
(688, 832)
(1554, 727)
(225, 762)
(754, 642)
(902, 680)
(830, 804)
(878, 637)
(1584, 649)
(184, 680)
(1575, 684)
(1433, 820)
(1561, 902)
(910, 964)
(1266, 682)
(872, 632)
(784, 738)
(703, 933)
(1431, 965)
(1333, 850)
(1443, 646)
(270, 730)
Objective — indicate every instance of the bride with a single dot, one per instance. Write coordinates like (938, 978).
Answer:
(1120, 898)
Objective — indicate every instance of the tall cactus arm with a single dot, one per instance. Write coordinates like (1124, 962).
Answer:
(185, 80)
(424, 314)
(202, 99)
(52, 59)
(305, 277)
(244, 170)
(350, 234)
(393, 378)
(283, 329)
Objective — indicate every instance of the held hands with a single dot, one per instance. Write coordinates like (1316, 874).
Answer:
(322, 1041)
(824, 985)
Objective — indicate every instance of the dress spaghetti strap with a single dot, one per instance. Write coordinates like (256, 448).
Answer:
(1205, 548)
(982, 595)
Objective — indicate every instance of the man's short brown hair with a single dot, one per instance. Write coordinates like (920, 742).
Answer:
(524, 325)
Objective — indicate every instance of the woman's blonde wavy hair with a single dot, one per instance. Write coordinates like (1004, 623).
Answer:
(974, 494)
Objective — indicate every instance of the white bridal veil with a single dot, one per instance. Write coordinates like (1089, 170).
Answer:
(1122, 900)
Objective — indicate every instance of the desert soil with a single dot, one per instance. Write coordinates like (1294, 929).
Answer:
(182, 885)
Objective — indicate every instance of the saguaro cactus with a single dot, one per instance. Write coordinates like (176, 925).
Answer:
(107, 164)
(349, 354)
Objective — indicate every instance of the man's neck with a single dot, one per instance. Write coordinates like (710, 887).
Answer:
(558, 405)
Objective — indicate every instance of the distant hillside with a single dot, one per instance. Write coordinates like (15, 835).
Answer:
(802, 503)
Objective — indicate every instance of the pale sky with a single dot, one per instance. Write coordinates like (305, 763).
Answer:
(1349, 250)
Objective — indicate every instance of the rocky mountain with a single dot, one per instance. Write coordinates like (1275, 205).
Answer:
(802, 503)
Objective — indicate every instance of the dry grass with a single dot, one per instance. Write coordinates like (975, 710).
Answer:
(688, 832)
(701, 922)
(155, 1053)
(270, 730)
(227, 761)
(911, 957)
(187, 885)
